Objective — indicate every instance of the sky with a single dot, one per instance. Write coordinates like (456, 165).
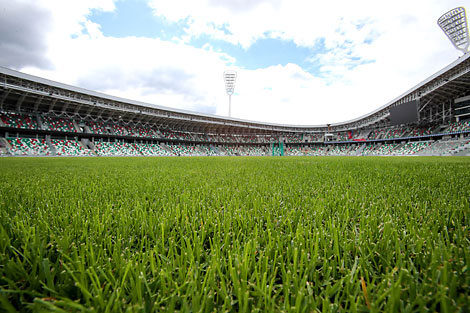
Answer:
(300, 62)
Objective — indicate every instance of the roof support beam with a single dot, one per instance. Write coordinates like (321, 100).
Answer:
(51, 106)
(5, 94)
(20, 101)
(37, 103)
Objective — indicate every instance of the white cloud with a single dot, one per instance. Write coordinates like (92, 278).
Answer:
(372, 52)
(151, 70)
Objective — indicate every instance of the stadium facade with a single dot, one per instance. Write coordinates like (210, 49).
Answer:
(43, 117)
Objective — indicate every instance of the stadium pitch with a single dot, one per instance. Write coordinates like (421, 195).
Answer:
(246, 234)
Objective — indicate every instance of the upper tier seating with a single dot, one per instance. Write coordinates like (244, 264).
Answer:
(199, 137)
(293, 138)
(141, 131)
(119, 130)
(97, 128)
(17, 120)
(247, 139)
(28, 146)
(376, 134)
(395, 133)
(456, 127)
(57, 124)
(421, 131)
(174, 135)
(313, 137)
(343, 136)
(212, 138)
(228, 138)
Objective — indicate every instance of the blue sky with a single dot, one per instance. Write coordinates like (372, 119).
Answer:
(135, 18)
(297, 61)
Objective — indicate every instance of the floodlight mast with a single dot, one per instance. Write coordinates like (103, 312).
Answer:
(230, 78)
(454, 24)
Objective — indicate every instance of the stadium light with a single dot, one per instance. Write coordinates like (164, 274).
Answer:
(229, 78)
(454, 25)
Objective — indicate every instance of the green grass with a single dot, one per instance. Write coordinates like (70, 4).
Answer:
(297, 234)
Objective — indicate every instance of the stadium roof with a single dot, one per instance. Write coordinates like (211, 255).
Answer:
(24, 92)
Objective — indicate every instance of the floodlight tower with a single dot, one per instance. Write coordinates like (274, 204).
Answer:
(229, 78)
(454, 25)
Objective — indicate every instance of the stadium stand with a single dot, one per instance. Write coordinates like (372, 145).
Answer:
(339, 150)
(421, 131)
(411, 148)
(293, 138)
(119, 130)
(140, 131)
(28, 146)
(316, 150)
(151, 149)
(250, 145)
(97, 128)
(385, 149)
(444, 147)
(116, 148)
(18, 120)
(313, 137)
(294, 151)
(57, 124)
(376, 134)
(67, 147)
(457, 127)
(395, 133)
(208, 150)
(37, 117)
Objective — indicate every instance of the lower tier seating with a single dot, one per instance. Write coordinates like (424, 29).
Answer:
(151, 149)
(115, 149)
(67, 147)
(73, 147)
(411, 148)
(444, 147)
(28, 146)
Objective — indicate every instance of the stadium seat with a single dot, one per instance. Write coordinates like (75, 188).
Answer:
(411, 148)
(16, 120)
(115, 149)
(67, 147)
(151, 149)
(457, 127)
(28, 146)
(57, 124)
(97, 128)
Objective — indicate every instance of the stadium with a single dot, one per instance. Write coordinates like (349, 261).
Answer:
(42, 117)
(115, 205)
